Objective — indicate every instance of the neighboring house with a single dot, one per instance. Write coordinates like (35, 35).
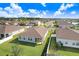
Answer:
(67, 37)
(2, 23)
(29, 24)
(34, 23)
(8, 30)
(50, 23)
(75, 23)
(34, 35)
(64, 24)
(37, 22)
(11, 23)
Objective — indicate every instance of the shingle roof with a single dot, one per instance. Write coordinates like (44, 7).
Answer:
(37, 32)
(68, 34)
(8, 28)
(64, 23)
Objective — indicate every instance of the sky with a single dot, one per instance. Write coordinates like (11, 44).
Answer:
(40, 10)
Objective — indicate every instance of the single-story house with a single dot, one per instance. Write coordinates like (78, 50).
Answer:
(33, 34)
(35, 23)
(64, 24)
(8, 30)
(29, 24)
(50, 23)
(75, 23)
(67, 37)
(11, 22)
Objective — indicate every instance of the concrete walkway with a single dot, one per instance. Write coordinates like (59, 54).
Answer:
(10, 37)
(6, 39)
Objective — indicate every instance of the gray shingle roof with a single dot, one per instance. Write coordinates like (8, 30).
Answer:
(8, 28)
(68, 34)
(37, 32)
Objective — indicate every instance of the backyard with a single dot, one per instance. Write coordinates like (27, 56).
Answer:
(64, 51)
(28, 49)
(76, 27)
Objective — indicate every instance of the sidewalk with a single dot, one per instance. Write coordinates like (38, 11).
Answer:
(6, 39)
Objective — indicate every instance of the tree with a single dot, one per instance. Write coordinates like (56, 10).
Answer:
(15, 50)
(56, 24)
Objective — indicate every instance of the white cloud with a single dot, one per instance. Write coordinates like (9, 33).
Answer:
(33, 11)
(14, 10)
(1, 9)
(62, 9)
(65, 7)
(57, 13)
(3, 13)
(38, 13)
(69, 5)
(8, 9)
(43, 14)
(43, 4)
(73, 12)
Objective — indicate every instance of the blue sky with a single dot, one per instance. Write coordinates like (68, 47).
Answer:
(42, 10)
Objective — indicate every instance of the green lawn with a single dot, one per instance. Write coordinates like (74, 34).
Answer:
(76, 27)
(65, 51)
(28, 49)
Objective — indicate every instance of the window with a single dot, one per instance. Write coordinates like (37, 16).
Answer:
(37, 40)
(73, 43)
(30, 39)
(66, 42)
(7, 35)
(60, 43)
(77, 44)
(24, 38)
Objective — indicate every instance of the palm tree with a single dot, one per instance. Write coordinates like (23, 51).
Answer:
(16, 50)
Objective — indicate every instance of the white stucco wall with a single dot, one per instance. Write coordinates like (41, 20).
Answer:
(21, 38)
(75, 23)
(69, 42)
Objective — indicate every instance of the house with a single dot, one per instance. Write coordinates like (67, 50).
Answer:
(33, 35)
(2, 23)
(50, 23)
(67, 37)
(64, 24)
(75, 23)
(40, 23)
(11, 22)
(34, 23)
(8, 30)
(29, 24)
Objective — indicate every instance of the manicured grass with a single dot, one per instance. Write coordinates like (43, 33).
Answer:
(28, 49)
(75, 27)
(65, 51)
